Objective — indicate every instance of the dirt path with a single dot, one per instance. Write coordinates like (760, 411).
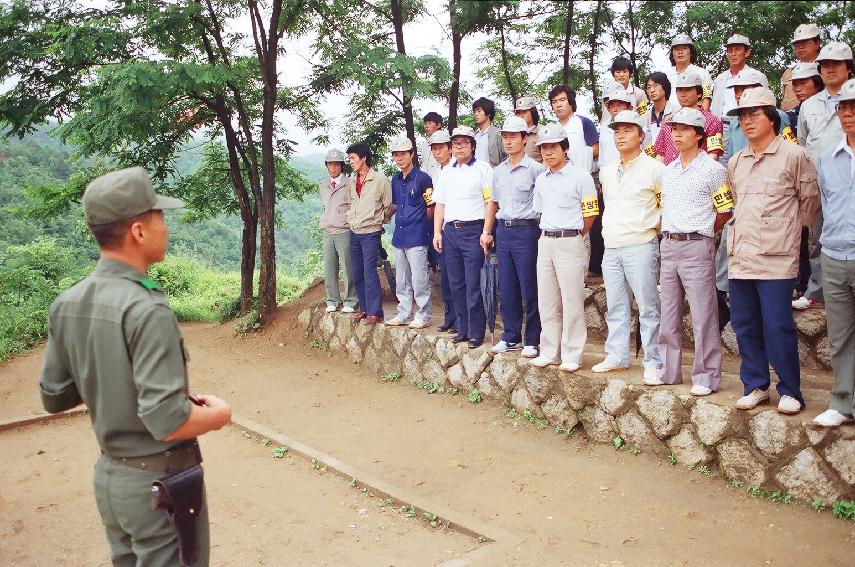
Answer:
(567, 503)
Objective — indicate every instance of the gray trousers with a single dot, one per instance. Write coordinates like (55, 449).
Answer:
(688, 270)
(411, 281)
(721, 262)
(337, 252)
(814, 285)
(839, 280)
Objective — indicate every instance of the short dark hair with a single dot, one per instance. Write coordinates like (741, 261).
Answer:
(772, 114)
(360, 149)
(433, 117)
(558, 89)
(622, 64)
(660, 79)
(849, 67)
(818, 83)
(693, 58)
(487, 105)
(535, 117)
(110, 235)
(698, 89)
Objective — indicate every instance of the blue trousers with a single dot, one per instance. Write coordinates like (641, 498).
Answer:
(762, 318)
(450, 315)
(363, 261)
(516, 248)
(463, 259)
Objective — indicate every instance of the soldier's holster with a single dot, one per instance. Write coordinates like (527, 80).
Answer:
(181, 495)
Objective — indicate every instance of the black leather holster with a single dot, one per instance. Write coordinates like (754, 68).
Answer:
(181, 495)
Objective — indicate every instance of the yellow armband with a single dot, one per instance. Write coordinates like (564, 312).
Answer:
(714, 143)
(428, 196)
(642, 107)
(657, 192)
(787, 134)
(590, 206)
(487, 192)
(722, 199)
(650, 151)
(707, 91)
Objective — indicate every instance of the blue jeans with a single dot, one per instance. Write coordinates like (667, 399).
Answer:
(450, 315)
(762, 318)
(516, 248)
(463, 259)
(632, 269)
(363, 260)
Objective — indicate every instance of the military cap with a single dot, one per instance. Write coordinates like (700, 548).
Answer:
(334, 155)
(688, 79)
(617, 93)
(463, 131)
(689, 117)
(847, 91)
(746, 78)
(627, 117)
(439, 137)
(805, 31)
(515, 124)
(682, 39)
(802, 70)
(551, 134)
(738, 39)
(753, 98)
(524, 103)
(402, 144)
(835, 51)
(123, 194)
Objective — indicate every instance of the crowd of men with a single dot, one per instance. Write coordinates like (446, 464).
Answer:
(694, 189)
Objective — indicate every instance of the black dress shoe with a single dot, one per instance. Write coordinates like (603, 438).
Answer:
(459, 339)
(474, 343)
(452, 330)
(445, 326)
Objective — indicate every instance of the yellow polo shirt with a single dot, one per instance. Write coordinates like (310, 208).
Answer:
(631, 195)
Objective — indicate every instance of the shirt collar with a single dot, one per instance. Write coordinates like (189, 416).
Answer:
(677, 163)
(470, 162)
(110, 267)
(561, 171)
(843, 147)
(632, 162)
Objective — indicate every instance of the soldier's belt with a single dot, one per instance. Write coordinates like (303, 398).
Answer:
(172, 460)
(561, 233)
(518, 222)
(683, 236)
(461, 223)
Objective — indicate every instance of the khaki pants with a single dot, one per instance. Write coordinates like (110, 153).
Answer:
(561, 266)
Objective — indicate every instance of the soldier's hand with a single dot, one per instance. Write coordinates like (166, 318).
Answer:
(224, 410)
(437, 242)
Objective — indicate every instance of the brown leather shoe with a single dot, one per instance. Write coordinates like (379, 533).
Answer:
(372, 320)
(359, 315)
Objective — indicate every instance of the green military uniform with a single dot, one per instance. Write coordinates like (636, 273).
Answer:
(114, 344)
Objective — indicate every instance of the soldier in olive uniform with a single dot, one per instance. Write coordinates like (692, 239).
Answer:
(114, 344)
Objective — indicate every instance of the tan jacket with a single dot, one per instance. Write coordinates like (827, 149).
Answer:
(775, 196)
(335, 204)
(370, 211)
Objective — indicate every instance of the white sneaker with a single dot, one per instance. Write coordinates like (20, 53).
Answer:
(541, 362)
(606, 366)
(803, 303)
(789, 405)
(832, 418)
(419, 324)
(752, 400)
(653, 379)
(569, 366)
(529, 351)
(394, 322)
(504, 346)
(651, 374)
(348, 309)
(331, 308)
(698, 390)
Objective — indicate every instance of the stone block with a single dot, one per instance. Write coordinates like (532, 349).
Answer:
(823, 355)
(728, 340)
(505, 371)
(810, 322)
(580, 390)
(342, 327)
(774, 435)
(637, 433)
(599, 426)
(616, 397)
(600, 300)
(354, 350)
(485, 385)
(738, 462)
(399, 339)
(841, 456)
(539, 382)
(326, 327)
(446, 352)
(688, 330)
(594, 321)
(805, 477)
(816, 434)
(459, 379)
(378, 335)
(371, 359)
(433, 371)
(390, 361)
(304, 320)
(317, 311)
(806, 357)
(663, 410)
(688, 449)
(335, 343)
(521, 401)
(421, 348)
(363, 333)
(558, 412)
(714, 422)
(411, 369)
(475, 361)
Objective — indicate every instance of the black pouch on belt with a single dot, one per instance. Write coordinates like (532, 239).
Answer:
(180, 494)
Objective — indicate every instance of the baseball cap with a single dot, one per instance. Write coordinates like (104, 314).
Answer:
(626, 117)
(752, 98)
(123, 194)
(524, 103)
(689, 117)
(688, 79)
(463, 131)
(847, 91)
(803, 70)
(682, 39)
(835, 51)
(439, 137)
(746, 78)
(402, 144)
(805, 31)
(551, 134)
(515, 124)
(334, 155)
(738, 39)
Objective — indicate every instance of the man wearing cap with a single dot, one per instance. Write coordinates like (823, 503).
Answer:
(412, 191)
(440, 147)
(631, 188)
(526, 109)
(774, 186)
(684, 57)
(370, 208)
(696, 202)
(837, 182)
(511, 209)
(432, 123)
(114, 345)
(614, 101)
(566, 199)
(806, 46)
(738, 50)
(488, 141)
(689, 92)
(335, 200)
(621, 71)
(819, 129)
(458, 225)
(582, 134)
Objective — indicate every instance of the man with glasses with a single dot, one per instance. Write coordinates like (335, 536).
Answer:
(837, 183)
(775, 190)
(806, 46)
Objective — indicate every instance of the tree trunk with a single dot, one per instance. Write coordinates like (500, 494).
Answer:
(592, 76)
(407, 96)
(568, 31)
(511, 88)
(632, 38)
(454, 95)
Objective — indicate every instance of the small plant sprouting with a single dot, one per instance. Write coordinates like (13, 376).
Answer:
(755, 491)
(432, 518)
(780, 497)
(566, 432)
(704, 470)
(482, 539)
(618, 442)
(265, 442)
(844, 509)
(390, 377)
(352, 482)
(511, 413)
(475, 396)
(672, 460)
(316, 465)
(410, 512)
(634, 450)
(534, 420)
(735, 483)
(280, 451)
(818, 505)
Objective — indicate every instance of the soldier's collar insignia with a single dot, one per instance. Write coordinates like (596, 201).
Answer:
(149, 284)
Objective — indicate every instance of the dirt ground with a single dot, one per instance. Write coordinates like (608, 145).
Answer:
(564, 502)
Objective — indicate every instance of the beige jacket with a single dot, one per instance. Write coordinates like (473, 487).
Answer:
(374, 208)
(776, 194)
(335, 204)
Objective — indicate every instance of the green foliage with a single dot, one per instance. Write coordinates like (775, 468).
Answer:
(618, 442)
(390, 377)
(844, 509)
(818, 505)
(534, 420)
(475, 396)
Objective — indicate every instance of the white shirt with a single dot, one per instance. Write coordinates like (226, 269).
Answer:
(671, 73)
(687, 204)
(482, 146)
(723, 98)
(581, 155)
(464, 190)
(558, 197)
(428, 163)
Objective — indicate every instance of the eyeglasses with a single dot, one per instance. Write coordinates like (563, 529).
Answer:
(750, 114)
(845, 107)
(459, 143)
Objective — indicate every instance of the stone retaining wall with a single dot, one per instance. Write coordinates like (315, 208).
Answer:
(762, 448)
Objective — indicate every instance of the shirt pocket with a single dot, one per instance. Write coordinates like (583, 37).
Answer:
(567, 201)
(780, 199)
(777, 236)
